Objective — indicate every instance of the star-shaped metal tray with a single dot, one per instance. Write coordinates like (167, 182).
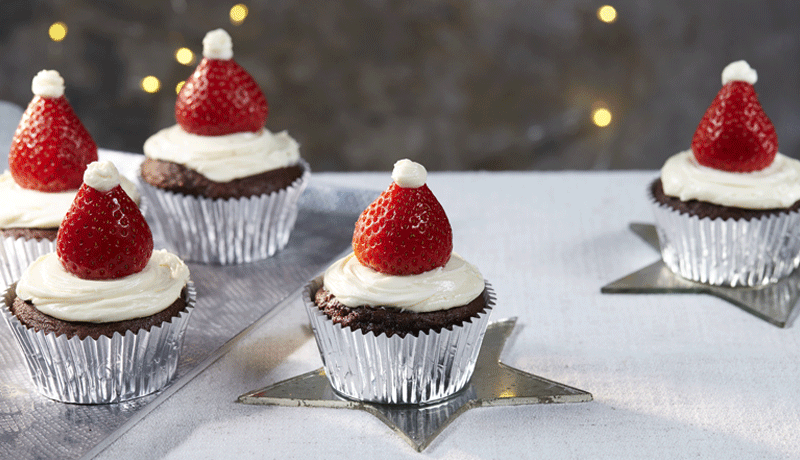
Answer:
(775, 303)
(493, 384)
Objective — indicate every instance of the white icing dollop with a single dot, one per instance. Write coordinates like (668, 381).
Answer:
(224, 158)
(408, 174)
(776, 186)
(217, 44)
(25, 208)
(48, 83)
(62, 295)
(101, 176)
(739, 71)
(455, 284)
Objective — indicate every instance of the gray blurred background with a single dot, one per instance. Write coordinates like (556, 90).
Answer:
(455, 84)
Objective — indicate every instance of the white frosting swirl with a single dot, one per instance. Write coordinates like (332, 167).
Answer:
(217, 44)
(48, 83)
(60, 294)
(455, 284)
(25, 208)
(408, 174)
(227, 157)
(739, 71)
(776, 186)
(101, 176)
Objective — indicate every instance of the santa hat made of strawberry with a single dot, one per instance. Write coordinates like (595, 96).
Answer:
(220, 97)
(405, 231)
(735, 134)
(50, 148)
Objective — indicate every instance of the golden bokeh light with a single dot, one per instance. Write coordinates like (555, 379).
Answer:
(57, 31)
(607, 13)
(179, 86)
(184, 56)
(238, 13)
(601, 117)
(151, 84)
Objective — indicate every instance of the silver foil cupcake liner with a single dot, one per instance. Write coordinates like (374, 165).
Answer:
(17, 253)
(103, 370)
(225, 231)
(397, 370)
(728, 252)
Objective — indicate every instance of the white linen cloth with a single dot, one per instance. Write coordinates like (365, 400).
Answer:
(673, 376)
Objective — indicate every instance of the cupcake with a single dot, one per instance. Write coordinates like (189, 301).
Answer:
(223, 187)
(102, 319)
(401, 319)
(48, 156)
(726, 210)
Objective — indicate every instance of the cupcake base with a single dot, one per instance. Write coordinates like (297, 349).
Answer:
(225, 231)
(414, 369)
(104, 369)
(726, 246)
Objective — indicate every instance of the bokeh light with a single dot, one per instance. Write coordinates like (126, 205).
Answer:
(179, 86)
(601, 117)
(238, 13)
(184, 56)
(151, 84)
(57, 31)
(607, 13)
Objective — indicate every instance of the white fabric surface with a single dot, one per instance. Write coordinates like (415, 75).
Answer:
(673, 376)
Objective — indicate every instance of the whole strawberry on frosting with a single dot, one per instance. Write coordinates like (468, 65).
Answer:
(51, 147)
(405, 231)
(220, 97)
(104, 235)
(735, 134)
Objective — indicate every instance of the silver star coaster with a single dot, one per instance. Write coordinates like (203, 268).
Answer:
(774, 303)
(493, 384)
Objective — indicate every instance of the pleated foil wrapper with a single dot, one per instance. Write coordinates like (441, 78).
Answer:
(225, 231)
(103, 370)
(17, 253)
(397, 370)
(730, 252)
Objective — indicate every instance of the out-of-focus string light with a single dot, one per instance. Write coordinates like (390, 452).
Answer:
(179, 86)
(57, 31)
(184, 56)
(601, 117)
(607, 14)
(238, 13)
(151, 84)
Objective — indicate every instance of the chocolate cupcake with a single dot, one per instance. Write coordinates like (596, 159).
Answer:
(48, 156)
(401, 319)
(727, 211)
(223, 187)
(101, 320)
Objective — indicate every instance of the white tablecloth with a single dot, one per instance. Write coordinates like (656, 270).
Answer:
(673, 376)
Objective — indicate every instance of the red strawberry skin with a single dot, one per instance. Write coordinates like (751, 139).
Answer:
(735, 134)
(51, 147)
(103, 236)
(404, 232)
(220, 98)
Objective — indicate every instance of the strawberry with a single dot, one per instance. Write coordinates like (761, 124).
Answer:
(403, 232)
(735, 135)
(51, 147)
(220, 97)
(104, 235)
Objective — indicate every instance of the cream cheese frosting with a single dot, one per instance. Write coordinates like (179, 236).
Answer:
(48, 83)
(776, 186)
(62, 295)
(455, 284)
(224, 158)
(25, 208)
(217, 44)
